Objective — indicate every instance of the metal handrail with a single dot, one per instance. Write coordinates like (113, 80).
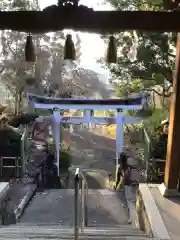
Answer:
(84, 199)
(80, 222)
(76, 204)
(148, 150)
(24, 150)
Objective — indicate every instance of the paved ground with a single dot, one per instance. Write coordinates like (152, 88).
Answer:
(51, 206)
(56, 206)
(169, 209)
(20, 187)
(105, 206)
(103, 156)
(103, 148)
(17, 191)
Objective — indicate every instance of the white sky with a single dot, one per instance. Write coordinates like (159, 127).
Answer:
(92, 45)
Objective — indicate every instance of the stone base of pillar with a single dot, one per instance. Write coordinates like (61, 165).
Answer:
(168, 192)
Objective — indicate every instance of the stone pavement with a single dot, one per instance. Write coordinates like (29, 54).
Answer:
(57, 207)
(169, 209)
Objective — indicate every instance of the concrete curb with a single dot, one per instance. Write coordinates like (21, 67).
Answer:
(24, 202)
(157, 224)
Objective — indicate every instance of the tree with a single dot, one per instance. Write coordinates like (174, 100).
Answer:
(43, 77)
(14, 70)
(144, 57)
(89, 83)
(50, 75)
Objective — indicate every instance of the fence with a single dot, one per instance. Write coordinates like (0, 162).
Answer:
(154, 167)
(15, 166)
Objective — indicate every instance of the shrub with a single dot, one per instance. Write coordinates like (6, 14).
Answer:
(24, 118)
(10, 142)
(112, 130)
(153, 122)
(64, 161)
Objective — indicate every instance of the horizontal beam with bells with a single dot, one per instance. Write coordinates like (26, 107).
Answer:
(69, 49)
(84, 19)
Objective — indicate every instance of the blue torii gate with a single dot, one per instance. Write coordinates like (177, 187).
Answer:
(55, 104)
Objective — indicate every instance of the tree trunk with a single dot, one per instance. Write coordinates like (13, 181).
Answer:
(18, 103)
(153, 100)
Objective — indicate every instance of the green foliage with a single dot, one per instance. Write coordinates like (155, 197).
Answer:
(154, 175)
(22, 119)
(42, 112)
(65, 125)
(144, 113)
(153, 122)
(10, 142)
(137, 5)
(137, 85)
(146, 59)
(111, 113)
(65, 158)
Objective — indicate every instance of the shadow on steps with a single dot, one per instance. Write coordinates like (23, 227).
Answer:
(96, 180)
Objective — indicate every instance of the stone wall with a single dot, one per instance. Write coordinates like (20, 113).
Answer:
(7, 215)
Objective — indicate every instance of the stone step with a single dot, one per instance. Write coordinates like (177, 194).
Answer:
(57, 206)
(89, 231)
(18, 237)
(26, 232)
(59, 226)
(21, 231)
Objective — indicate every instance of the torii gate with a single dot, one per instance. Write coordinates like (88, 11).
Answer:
(88, 105)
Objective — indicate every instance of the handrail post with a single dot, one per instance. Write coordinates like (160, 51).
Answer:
(148, 150)
(82, 205)
(86, 206)
(76, 203)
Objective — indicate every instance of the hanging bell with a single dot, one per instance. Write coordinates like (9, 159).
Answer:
(111, 56)
(69, 49)
(29, 50)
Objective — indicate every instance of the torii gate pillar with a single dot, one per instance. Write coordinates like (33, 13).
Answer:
(56, 119)
(119, 134)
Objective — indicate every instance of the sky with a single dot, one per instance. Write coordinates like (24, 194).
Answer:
(90, 52)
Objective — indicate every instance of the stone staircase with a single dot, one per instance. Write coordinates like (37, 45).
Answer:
(40, 232)
(51, 216)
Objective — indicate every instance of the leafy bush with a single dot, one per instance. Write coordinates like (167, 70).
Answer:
(152, 119)
(24, 118)
(65, 125)
(10, 142)
(112, 130)
(65, 160)
(153, 123)
(43, 112)
(134, 132)
(143, 113)
(111, 113)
